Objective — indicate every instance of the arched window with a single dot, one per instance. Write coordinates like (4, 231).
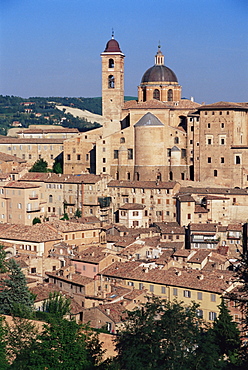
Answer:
(159, 176)
(144, 94)
(137, 176)
(122, 140)
(156, 94)
(111, 82)
(111, 63)
(170, 95)
(176, 140)
(50, 198)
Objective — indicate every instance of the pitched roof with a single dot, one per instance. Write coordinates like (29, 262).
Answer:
(61, 178)
(10, 158)
(142, 184)
(132, 206)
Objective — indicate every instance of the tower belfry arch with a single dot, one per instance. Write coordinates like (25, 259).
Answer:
(112, 85)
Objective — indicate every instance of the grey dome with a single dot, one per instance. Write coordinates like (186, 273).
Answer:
(159, 73)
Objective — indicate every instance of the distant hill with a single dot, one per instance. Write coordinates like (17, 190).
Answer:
(20, 112)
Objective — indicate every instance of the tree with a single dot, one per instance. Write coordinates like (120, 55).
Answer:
(61, 345)
(57, 168)
(36, 220)
(160, 335)
(57, 304)
(78, 213)
(15, 298)
(39, 166)
(3, 267)
(3, 354)
(226, 334)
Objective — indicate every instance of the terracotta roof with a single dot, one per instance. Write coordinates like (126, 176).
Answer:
(199, 256)
(35, 233)
(157, 104)
(68, 226)
(170, 228)
(14, 140)
(185, 198)
(215, 281)
(203, 227)
(73, 278)
(182, 253)
(235, 227)
(212, 191)
(132, 206)
(10, 158)
(92, 254)
(115, 311)
(142, 184)
(21, 185)
(61, 178)
(224, 105)
(48, 130)
(200, 209)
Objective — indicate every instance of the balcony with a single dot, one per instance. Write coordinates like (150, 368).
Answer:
(33, 197)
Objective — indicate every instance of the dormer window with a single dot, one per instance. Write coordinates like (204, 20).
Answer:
(111, 63)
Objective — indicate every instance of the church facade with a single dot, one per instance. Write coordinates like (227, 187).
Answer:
(160, 137)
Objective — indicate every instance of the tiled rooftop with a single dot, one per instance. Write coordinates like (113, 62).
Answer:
(10, 158)
(132, 206)
(61, 178)
(215, 281)
(142, 184)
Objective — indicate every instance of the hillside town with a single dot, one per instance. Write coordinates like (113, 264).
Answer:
(152, 203)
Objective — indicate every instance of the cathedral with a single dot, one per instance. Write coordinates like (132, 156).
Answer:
(160, 136)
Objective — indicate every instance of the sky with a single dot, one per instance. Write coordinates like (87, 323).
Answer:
(53, 47)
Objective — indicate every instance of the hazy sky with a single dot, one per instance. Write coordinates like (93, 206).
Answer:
(52, 47)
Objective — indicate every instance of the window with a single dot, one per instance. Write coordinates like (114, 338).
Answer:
(111, 82)
(222, 141)
(209, 159)
(213, 298)
(128, 176)
(19, 206)
(122, 140)
(237, 159)
(222, 160)
(33, 270)
(156, 94)
(189, 216)
(111, 63)
(135, 223)
(183, 153)
(104, 169)
(175, 291)
(151, 288)
(176, 140)
(212, 316)
(130, 153)
(222, 125)
(199, 295)
(163, 290)
(215, 173)
(115, 154)
(68, 157)
(140, 286)
(170, 95)
(50, 198)
(209, 125)
(104, 160)
(199, 313)
(209, 141)
(78, 157)
(136, 213)
(187, 293)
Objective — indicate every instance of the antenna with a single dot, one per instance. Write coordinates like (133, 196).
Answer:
(113, 34)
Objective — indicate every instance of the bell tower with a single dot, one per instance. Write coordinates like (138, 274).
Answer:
(112, 84)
